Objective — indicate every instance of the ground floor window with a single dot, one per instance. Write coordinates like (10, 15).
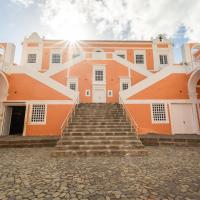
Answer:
(159, 113)
(38, 113)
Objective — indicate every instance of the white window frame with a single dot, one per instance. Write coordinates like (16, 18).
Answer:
(98, 54)
(121, 52)
(140, 59)
(140, 52)
(87, 93)
(31, 113)
(110, 93)
(32, 59)
(55, 51)
(74, 81)
(52, 58)
(163, 58)
(98, 68)
(126, 81)
(166, 121)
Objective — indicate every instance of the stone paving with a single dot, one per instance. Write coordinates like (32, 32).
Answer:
(166, 173)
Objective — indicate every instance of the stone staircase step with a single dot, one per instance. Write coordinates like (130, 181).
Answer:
(67, 153)
(99, 129)
(99, 137)
(96, 142)
(98, 147)
(97, 133)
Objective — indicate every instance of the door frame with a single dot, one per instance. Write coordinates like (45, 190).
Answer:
(6, 104)
(101, 87)
(194, 112)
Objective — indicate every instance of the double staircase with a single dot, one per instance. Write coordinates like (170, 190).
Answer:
(98, 129)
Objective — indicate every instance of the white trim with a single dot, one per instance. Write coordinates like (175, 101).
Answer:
(167, 101)
(132, 66)
(31, 111)
(55, 51)
(51, 83)
(110, 93)
(98, 54)
(89, 93)
(121, 52)
(124, 80)
(99, 67)
(6, 88)
(52, 102)
(166, 114)
(195, 122)
(72, 80)
(73, 61)
(15, 103)
(192, 83)
(140, 52)
(154, 78)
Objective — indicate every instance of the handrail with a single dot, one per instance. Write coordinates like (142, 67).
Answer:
(130, 117)
(69, 116)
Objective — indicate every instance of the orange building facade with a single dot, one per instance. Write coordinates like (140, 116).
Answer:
(38, 95)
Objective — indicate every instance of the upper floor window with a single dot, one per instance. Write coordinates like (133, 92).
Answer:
(72, 86)
(140, 59)
(99, 75)
(56, 58)
(125, 86)
(74, 55)
(163, 59)
(32, 58)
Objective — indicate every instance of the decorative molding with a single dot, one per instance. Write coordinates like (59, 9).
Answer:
(131, 66)
(154, 78)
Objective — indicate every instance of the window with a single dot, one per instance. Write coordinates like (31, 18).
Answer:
(163, 59)
(72, 86)
(31, 58)
(110, 93)
(122, 56)
(159, 112)
(98, 75)
(74, 55)
(38, 114)
(124, 86)
(87, 93)
(139, 59)
(55, 58)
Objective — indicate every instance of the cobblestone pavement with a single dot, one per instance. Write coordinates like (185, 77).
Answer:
(167, 173)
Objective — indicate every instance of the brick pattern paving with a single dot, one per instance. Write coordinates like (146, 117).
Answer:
(166, 173)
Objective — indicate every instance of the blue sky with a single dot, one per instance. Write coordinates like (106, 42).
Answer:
(100, 19)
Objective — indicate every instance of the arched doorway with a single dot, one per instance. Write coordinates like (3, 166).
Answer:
(3, 94)
(3, 86)
(2, 53)
(193, 84)
(194, 91)
(195, 55)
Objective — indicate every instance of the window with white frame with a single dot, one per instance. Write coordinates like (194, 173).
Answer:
(76, 54)
(31, 58)
(139, 59)
(99, 76)
(72, 86)
(87, 93)
(56, 58)
(110, 93)
(159, 112)
(121, 53)
(163, 59)
(125, 86)
(38, 114)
